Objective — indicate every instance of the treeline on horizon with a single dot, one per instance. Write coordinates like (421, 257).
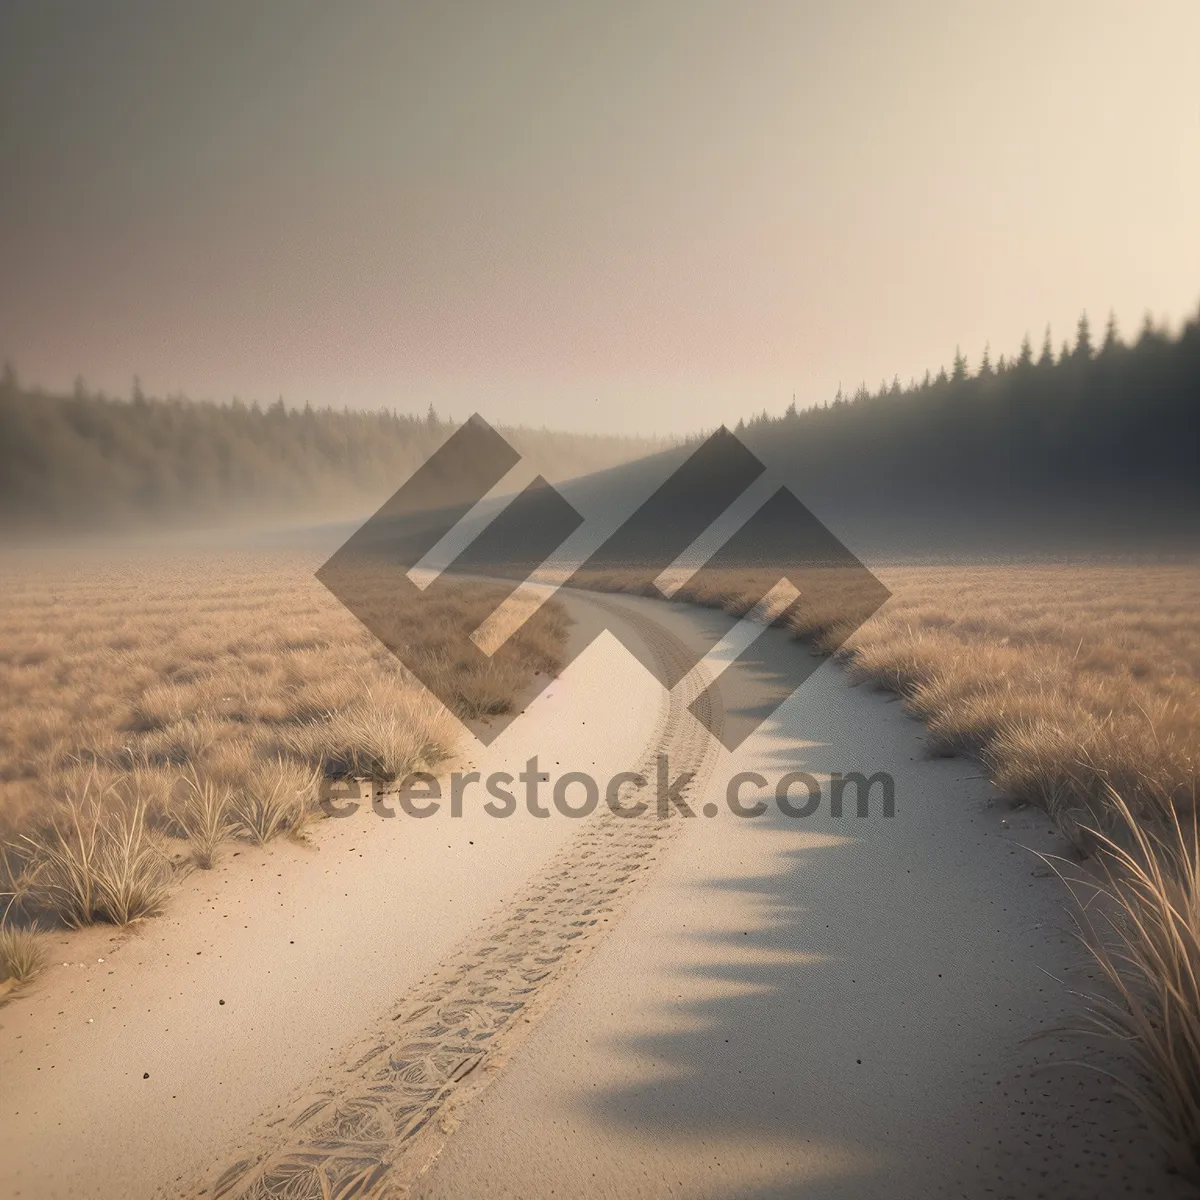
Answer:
(85, 461)
(1099, 442)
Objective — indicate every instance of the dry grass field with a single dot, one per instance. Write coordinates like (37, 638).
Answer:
(1067, 681)
(156, 708)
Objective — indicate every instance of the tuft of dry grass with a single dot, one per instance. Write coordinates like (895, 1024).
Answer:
(97, 861)
(276, 798)
(22, 954)
(202, 812)
(1142, 929)
(382, 735)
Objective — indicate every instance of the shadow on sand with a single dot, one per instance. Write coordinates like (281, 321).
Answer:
(868, 1014)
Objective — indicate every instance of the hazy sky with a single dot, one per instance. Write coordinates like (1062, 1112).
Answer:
(636, 216)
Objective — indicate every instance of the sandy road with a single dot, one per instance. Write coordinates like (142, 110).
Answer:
(827, 1008)
(378, 1118)
(820, 1007)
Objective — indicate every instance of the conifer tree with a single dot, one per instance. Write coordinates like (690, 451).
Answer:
(1112, 338)
(1083, 338)
(1047, 355)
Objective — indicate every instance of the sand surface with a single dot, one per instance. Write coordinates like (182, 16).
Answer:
(711, 1007)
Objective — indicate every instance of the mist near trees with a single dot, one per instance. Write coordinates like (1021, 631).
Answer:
(84, 462)
(1092, 445)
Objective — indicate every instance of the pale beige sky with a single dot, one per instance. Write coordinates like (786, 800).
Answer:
(628, 216)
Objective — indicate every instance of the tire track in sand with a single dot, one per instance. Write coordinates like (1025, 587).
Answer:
(370, 1126)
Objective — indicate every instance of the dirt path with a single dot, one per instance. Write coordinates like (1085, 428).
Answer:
(373, 1123)
(828, 1008)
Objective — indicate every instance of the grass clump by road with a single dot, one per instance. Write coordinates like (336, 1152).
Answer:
(97, 858)
(275, 798)
(1140, 921)
(201, 814)
(22, 956)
